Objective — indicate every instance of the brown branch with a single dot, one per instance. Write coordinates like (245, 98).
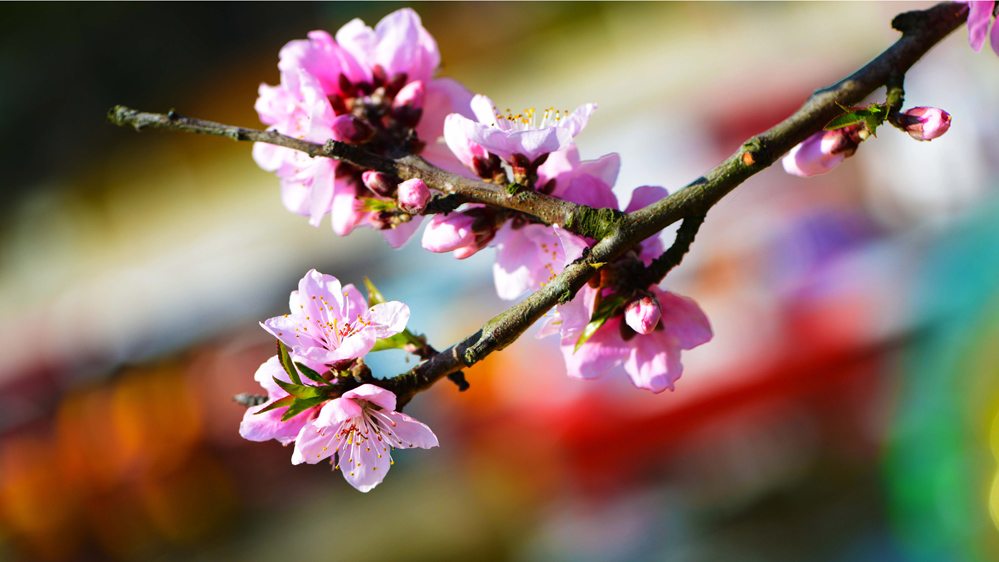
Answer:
(583, 220)
(616, 233)
(921, 31)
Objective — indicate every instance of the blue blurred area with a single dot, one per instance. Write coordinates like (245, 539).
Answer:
(846, 410)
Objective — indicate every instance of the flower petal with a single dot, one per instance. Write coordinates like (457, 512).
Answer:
(683, 319)
(364, 462)
(979, 14)
(602, 352)
(411, 433)
(398, 237)
(313, 443)
(374, 394)
(388, 318)
(644, 196)
(338, 411)
(654, 361)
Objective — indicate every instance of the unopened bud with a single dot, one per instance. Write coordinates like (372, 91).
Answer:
(481, 167)
(412, 95)
(378, 75)
(643, 314)
(446, 234)
(379, 183)
(413, 195)
(395, 84)
(351, 130)
(925, 123)
(823, 151)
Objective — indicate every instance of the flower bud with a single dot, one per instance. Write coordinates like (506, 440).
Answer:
(445, 234)
(642, 314)
(351, 130)
(379, 183)
(823, 151)
(413, 195)
(925, 123)
(411, 95)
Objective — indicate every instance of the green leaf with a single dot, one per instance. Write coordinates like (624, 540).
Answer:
(312, 375)
(301, 405)
(374, 295)
(397, 341)
(604, 311)
(298, 390)
(286, 401)
(285, 358)
(372, 204)
(845, 120)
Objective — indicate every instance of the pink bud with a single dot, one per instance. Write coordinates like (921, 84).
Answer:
(351, 130)
(413, 195)
(445, 234)
(411, 95)
(925, 123)
(379, 183)
(466, 251)
(643, 314)
(823, 151)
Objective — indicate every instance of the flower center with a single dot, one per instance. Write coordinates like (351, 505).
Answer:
(529, 120)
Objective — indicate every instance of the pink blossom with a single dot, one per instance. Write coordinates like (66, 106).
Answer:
(361, 428)
(925, 123)
(448, 233)
(643, 314)
(414, 195)
(330, 323)
(323, 81)
(528, 133)
(268, 425)
(652, 360)
(979, 16)
(530, 255)
(822, 152)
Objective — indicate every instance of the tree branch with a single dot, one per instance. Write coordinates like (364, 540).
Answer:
(583, 220)
(616, 233)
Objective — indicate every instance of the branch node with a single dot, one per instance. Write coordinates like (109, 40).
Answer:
(458, 378)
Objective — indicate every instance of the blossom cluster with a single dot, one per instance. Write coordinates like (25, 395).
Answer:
(328, 330)
(376, 88)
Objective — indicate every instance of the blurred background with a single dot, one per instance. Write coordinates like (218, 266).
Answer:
(846, 409)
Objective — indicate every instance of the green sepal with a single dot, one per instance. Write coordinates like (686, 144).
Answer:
(281, 403)
(604, 311)
(374, 295)
(372, 204)
(285, 358)
(299, 390)
(312, 375)
(301, 405)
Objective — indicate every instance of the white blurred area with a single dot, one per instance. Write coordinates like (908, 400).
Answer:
(174, 241)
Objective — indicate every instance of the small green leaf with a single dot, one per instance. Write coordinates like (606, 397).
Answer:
(312, 375)
(872, 122)
(845, 120)
(397, 341)
(372, 204)
(374, 295)
(286, 401)
(301, 405)
(603, 312)
(298, 390)
(285, 358)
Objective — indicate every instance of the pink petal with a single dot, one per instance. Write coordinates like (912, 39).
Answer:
(336, 412)
(683, 319)
(444, 96)
(411, 432)
(352, 347)
(572, 245)
(558, 164)
(483, 109)
(455, 131)
(359, 41)
(316, 287)
(268, 425)
(575, 123)
(266, 374)
(448, 233)
(602, 352)
(316, 56)
(364, 463)
(585, 189)
(516, 261)
(532, 143)
(269, 156)
(301, 341)
(388, 318)
(374, 394)
(605, 168)
(994, 37)
(313, 443)
(404, 46)
(644, 196)
(654, 362)
(346, 213)
(400, 235)
(978, 22)
(354, 304)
